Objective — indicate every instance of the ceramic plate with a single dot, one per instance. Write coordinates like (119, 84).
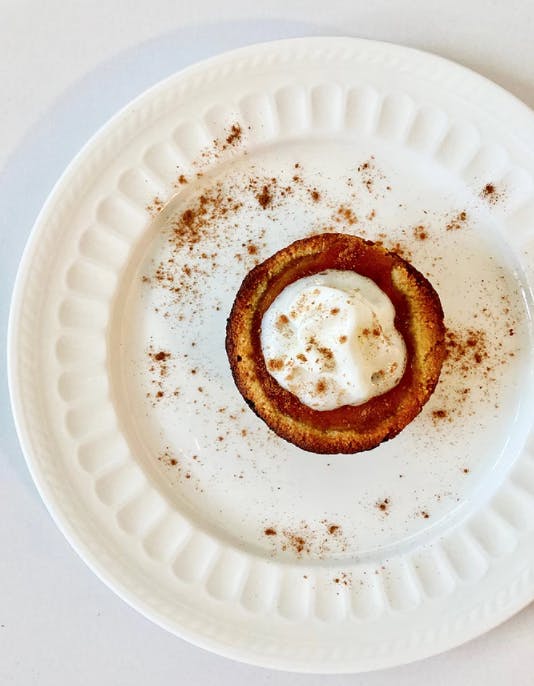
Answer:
(159, 475)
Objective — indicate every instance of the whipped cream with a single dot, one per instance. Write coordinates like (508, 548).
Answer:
(330, 339)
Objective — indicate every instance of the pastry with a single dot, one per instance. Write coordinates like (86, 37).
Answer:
(336, 343)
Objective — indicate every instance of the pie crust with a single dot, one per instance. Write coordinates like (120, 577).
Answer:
(351, 428)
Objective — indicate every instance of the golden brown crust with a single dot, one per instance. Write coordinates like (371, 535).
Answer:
(349, 429)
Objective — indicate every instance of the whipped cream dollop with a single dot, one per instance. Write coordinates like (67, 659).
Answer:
(330, 339)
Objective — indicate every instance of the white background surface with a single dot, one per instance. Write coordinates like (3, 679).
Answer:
(65, 68)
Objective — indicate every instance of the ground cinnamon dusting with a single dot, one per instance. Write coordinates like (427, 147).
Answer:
(265, 198)
(282, 321)
(488, 190)
(469, 361)
(168, 459)
(158, 367)
(306, 539)
(155, 207)
(383, 505)
(196, 221)
(296, 542)
(235, 135)
(466, 348)
(345, 214)
(189, 229)
(457, 222)
(320, 386)
(491, 194)
(420, 233)
(345, 579)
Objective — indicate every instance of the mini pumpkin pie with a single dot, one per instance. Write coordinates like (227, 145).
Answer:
(336, 343)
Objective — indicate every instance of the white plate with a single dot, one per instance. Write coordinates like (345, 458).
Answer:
(162, 479)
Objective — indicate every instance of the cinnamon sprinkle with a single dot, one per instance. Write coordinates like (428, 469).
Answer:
(491, 194)
(265, 198)
(235, 135)
(457, 222)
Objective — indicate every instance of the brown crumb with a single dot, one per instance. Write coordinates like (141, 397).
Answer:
(270, 531)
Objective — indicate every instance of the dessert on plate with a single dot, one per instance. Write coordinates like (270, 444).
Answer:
(336, 343)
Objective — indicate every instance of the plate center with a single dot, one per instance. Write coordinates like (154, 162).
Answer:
(218, 463)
